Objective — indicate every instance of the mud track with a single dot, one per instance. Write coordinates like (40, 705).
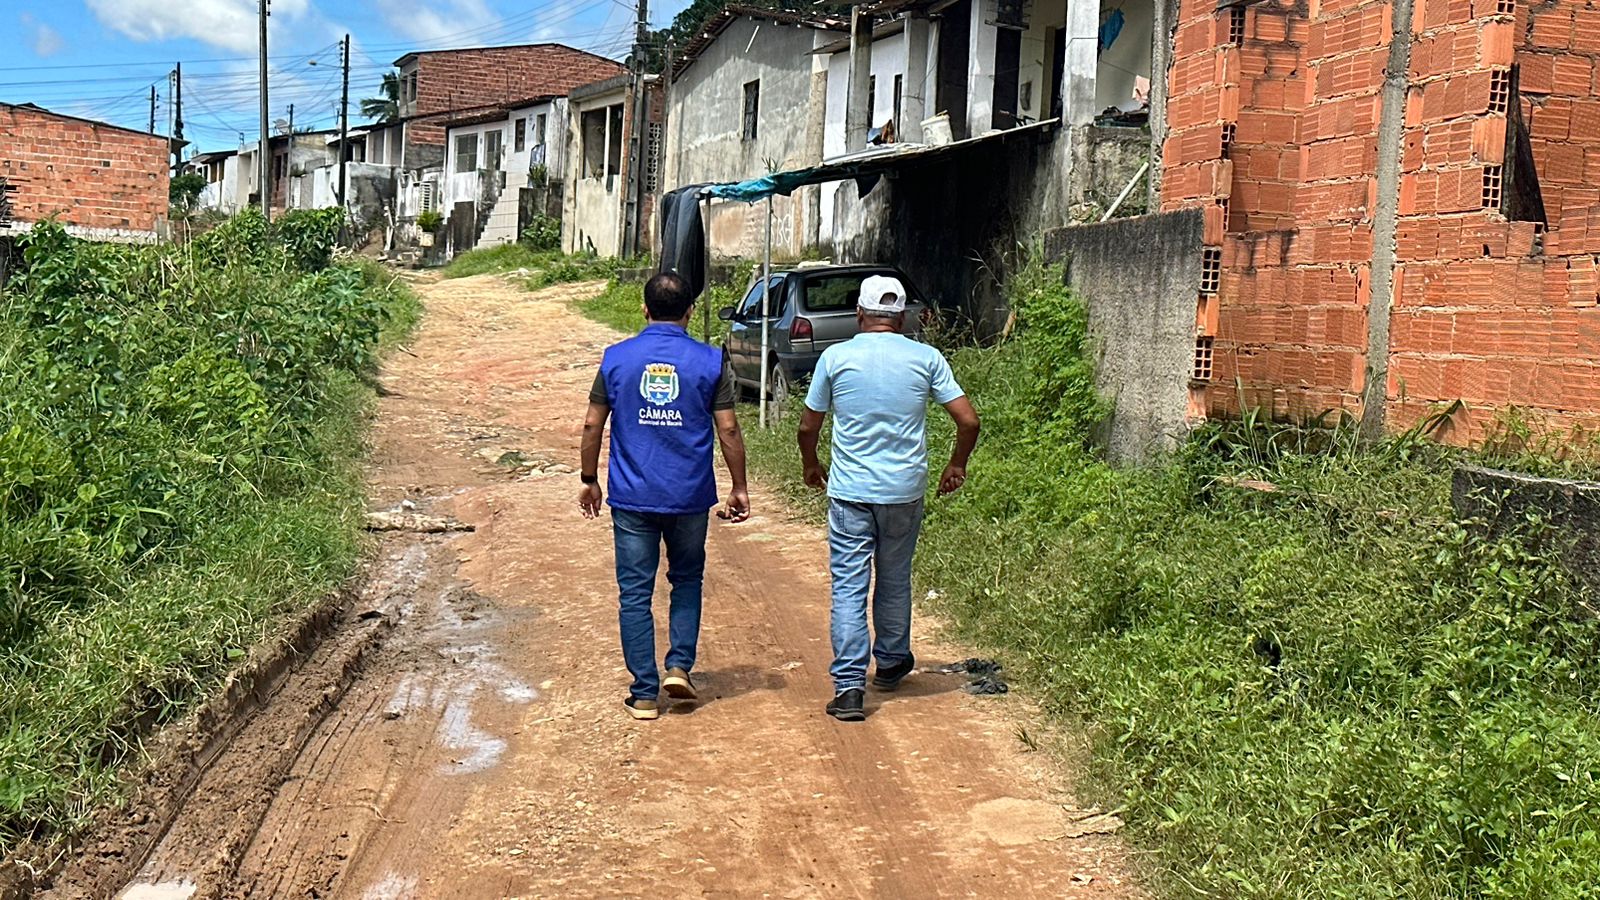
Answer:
(460, 734)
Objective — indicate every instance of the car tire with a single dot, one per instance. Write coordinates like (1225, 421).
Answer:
(779, 388)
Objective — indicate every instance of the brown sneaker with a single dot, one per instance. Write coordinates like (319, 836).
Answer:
(676, 684)
(642, 709)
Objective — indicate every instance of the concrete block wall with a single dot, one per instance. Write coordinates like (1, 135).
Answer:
(1275, 114)
(103, 180)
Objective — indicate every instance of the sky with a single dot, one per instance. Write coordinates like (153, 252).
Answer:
(100, 58)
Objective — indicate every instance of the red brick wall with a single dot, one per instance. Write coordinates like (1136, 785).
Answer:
(462, 79)
(1485, 310)
(90, 175)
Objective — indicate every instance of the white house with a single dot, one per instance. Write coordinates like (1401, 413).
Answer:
(491, 157)
(592, 213)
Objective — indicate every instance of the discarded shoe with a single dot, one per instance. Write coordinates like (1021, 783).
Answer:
(676, 684)
(887, 678)
(849, 706)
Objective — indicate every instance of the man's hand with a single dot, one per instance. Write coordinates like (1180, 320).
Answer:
(589, 500)
(738, 506)
(953, 478)
(816, 476)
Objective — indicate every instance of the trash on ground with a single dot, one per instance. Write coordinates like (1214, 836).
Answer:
(414, 522)
(983, 674)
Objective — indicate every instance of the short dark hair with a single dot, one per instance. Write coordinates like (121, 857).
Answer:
(667, 297)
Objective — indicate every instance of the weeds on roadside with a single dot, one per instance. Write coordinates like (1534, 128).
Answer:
(179, 430)
(1331, 689)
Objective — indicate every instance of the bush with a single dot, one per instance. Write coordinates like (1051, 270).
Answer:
(543, 233)
(177, 439)
(430, 221)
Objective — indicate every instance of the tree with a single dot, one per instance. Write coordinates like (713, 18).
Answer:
(387, 107)
(183, 191)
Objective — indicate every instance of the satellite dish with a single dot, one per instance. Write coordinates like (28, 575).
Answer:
(281, 126)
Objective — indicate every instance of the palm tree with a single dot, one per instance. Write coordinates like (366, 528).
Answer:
(387, 107)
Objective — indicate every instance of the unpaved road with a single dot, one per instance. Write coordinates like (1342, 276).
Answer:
(483, 751)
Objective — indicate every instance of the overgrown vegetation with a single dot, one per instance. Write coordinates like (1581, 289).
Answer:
(1301, 676)
(504, 258)
(621, 306)
(179, 430)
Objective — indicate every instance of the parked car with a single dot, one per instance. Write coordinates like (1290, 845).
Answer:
(811, 308)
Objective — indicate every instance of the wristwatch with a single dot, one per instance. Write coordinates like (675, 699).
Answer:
(590, 479)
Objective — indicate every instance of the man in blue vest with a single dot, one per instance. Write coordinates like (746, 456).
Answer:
(668, 397)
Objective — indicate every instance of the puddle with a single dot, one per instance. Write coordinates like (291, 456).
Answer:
(166, 890)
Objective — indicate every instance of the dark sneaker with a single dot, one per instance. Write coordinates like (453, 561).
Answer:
(849, 705)
(677, 685)
(642, 709)
(887, 678)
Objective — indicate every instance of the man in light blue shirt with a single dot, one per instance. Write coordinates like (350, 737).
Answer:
(877, 385)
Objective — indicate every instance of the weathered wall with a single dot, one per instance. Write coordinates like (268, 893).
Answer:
(705, 133)
(1138, 277)
(101, 180)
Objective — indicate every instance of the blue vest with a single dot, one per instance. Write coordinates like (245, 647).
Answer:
(661, 384)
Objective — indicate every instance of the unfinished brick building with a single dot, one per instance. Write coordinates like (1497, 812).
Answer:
(1386, 245)
(102, 181)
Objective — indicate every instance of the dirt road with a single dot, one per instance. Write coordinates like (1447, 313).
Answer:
(483, 750)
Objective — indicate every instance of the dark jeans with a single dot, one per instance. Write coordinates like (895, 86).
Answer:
(639, 537)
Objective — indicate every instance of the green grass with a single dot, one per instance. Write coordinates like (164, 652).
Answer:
(1331, 690)
(180, 443)
(505, 258)
(621, 306)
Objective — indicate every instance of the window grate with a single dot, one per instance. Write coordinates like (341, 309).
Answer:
(1210, 269)
(752, 109)
(1493, 182)
(652, 161)
(1236, 25)
(1500, 92)
(428, 196)
(1203, 355)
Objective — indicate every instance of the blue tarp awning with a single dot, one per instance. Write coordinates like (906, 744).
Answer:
(867, 165)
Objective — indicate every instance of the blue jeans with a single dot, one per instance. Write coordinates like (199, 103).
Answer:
(639, 537)
(861, 537)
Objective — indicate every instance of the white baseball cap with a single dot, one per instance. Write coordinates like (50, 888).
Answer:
(883, 293)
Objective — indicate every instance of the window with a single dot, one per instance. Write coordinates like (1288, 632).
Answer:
(592, 129)
(427, 196)
(752, 108)
(466, 153)
(375, 144)
(538, 130)
(495, 150)
(751, 307)
(411, 88)
(897, 81)
(519, 135)
(838, 293)
(614, 143)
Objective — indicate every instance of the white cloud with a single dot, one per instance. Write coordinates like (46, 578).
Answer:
(443, 22)
(46, 40)
(231, 24)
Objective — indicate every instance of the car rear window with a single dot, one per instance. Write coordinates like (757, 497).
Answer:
(838, 293)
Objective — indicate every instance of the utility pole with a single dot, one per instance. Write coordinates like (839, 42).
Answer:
(291, 128)
(265, 150)
(635, 199)
(177, 112)
(152, 109)
(344, 126)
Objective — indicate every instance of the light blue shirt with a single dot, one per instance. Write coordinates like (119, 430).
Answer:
(877, 385)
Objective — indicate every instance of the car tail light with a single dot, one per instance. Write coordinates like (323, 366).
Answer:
(801, 329)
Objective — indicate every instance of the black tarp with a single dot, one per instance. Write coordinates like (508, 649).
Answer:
(683, 237)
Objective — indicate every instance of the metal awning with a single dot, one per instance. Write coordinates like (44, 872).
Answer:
(866, 164)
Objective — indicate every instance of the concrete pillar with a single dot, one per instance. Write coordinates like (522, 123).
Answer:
(1164, 27)
(918, 82)
(856, 113)
(1081, 61)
